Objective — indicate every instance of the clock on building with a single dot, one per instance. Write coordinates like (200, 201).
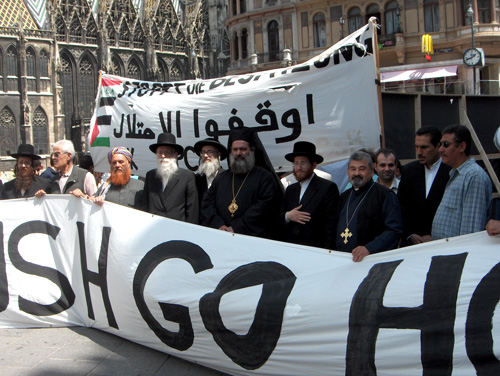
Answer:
(473, 57)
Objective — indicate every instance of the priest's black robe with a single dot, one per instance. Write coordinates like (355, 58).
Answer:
(259, 202)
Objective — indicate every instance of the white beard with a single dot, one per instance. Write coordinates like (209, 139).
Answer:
(166, 168)
(209, 168)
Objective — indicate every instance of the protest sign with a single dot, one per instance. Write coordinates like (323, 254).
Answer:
(245, 305)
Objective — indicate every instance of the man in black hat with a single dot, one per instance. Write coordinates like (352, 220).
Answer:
(245, 199)
(311, 204)
(211, 153)
(26, 183)
(170, 191)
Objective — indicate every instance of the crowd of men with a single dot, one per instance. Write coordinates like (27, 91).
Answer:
(444, 193)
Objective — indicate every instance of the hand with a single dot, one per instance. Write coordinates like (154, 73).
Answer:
(295, 215)
(99, 200)
(40, 193)
(226, 228)
(359, 253)
(493, 227)
(78, 193)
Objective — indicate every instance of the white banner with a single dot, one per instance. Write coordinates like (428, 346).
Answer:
(245, 305)
(330, 100)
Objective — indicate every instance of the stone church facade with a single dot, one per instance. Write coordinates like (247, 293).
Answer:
(51, 53)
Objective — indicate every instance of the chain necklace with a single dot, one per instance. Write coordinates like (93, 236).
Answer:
(233, 206)
(347, 234)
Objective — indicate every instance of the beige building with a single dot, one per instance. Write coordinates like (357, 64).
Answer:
(266, 34)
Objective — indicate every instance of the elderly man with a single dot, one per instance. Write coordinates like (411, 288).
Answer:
(211, 153)
(386, 165)
(245, 199)
(311, 204)
(170, 191)
(464, 207)
(370, 216)
(119, 187)
(422, 187)
(27, 182)
(70, 179)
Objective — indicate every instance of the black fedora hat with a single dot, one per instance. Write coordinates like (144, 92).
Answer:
(304, 149)
(212, 142)
(25, 150)
(166, 139)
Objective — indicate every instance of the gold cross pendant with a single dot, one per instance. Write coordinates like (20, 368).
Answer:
(346, 234)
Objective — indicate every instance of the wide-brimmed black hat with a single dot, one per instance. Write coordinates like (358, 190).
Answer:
(25, 150)
(211, 142)
(304, 149)
(166, 139)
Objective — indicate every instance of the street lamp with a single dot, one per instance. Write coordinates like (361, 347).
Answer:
(398, 13)
(470, 14)
(342, 22)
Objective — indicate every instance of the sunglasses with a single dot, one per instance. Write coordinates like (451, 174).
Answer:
(446, 144)
(58, 153)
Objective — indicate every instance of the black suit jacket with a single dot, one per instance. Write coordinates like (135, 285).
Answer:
(417, 210)
(178, 201)
(10, 191)
(320, 200)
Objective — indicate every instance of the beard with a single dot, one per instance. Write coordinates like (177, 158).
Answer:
(209, 168)
(24, 178)
(166, 168)
(357, 181)
(242, 166)
(120, 178)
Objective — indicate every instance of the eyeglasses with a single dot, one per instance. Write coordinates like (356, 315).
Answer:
(210, 153)
(446, 144)
(166, 153)
(58, 153)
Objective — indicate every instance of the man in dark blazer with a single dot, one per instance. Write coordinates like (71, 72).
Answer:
(311, 204)
(26, 183)
(170, 191)
(422, 186)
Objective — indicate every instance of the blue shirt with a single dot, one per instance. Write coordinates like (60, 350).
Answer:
(464, 206)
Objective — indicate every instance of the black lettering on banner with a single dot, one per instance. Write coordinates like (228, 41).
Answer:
(435, 317)
(322, 64)
(4, 286)
(188, 149)
(251, 350)
(67, 295)
(99, 278)
(199, 261)
(478, 328)
(216, 83)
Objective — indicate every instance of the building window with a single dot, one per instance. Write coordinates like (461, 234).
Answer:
(273, 41)
(87, 88)
(40, 131)
(354, 20)
(319, 30)
(235, 7)
(236, 48)
(244, 42)
(30, 69)
(391, 18)
(11, 69)
(175, 73)
(44, 63)
(431, 15)
(116, 67)
(243, 6)
(8, 134)
(163, 70)
(134, 70)
(483, 9)
(67, 84)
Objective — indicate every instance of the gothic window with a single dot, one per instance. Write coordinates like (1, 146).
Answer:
(44, 63)
(11, 70)
(431, 15)
(175, 73)
(91, 32)
(319, 30)
(134, 70)
(244, 44)
(111, 31)
(116, 67)
(66, 77)
(391, 18)
(75, 30)
(86, 87)
(30, 69)
(162, 67)
(483, 9)
(354, 21)
(60, 27)
(40, 131)
(8, 134)
(124, 35)
(138, 37)
(273, 40)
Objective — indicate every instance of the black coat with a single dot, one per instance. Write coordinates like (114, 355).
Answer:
(320, 200)
(417, 210)
(178, 201)
(10, 191)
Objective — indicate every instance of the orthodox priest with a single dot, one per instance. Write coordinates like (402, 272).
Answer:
(370, 216)
(247, 198)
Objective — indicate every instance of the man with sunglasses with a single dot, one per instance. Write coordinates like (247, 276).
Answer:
(464, 207)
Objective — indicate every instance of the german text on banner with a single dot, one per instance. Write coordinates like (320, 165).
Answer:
(245, 305)
(330, 100)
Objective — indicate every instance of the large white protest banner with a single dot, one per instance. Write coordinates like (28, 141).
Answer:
(245, 305)
(330, 100)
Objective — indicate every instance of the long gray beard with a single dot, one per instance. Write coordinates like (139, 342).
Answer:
(166, 168)
(244, 166)
(209, 168)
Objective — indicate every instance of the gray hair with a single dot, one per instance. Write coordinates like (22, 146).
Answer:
(361, 156)
(66, 146)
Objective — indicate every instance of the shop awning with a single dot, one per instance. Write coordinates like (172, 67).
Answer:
(419, 74)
